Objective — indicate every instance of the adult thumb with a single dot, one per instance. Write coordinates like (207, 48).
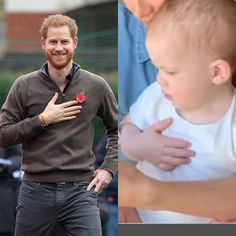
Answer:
(54, 98)
(162, 125)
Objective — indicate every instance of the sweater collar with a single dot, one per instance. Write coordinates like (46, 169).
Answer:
(69, 77)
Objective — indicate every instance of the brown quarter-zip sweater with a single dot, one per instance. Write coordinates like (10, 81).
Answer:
(63, 151)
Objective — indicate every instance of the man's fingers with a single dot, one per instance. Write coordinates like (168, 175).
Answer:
(54, 98)
(73, 108)
(98, 187)
(92, 183)
(68, 104)
(73, 113)
(70, 115)
(178, 152)
(67, 118)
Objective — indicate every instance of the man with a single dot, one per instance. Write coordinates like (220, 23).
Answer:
(10, 159)
(51, 111)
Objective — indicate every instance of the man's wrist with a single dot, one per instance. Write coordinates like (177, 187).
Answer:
(43, 122)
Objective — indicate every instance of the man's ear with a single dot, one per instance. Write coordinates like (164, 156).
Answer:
(76, 42)
(220, 71)
(42, 43)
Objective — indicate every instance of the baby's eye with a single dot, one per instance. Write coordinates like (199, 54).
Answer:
(170, 72)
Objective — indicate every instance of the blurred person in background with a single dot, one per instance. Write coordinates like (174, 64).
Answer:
(10, 161)
(52, 111)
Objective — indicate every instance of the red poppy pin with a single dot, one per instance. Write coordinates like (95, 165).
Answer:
(80, 97)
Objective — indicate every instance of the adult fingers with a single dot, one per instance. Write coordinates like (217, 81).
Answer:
(68, 104)
(92, 184)
(54, 98)
(66, 118)
(99, 187)
(72, 108)
(72, 113)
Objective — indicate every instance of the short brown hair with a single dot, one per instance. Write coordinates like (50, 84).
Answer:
(57, 21)
(207, 24)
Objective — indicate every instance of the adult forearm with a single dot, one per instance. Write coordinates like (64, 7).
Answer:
(213, 199)
(133, 187)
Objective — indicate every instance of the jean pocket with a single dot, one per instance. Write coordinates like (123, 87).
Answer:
(82, 185)
(29, 186)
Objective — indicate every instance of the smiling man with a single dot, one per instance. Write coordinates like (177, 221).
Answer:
(43, 112)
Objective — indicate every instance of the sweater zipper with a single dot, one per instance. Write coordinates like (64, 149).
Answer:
(61, 94)
(65, 89)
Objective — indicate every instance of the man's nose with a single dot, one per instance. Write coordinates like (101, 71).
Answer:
(59, 46)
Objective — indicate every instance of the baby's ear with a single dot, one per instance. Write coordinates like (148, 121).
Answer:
(220, 71)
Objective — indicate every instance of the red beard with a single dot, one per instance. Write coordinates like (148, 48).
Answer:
(59, 62)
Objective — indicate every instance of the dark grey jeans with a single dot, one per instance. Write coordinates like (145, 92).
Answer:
(42, 205)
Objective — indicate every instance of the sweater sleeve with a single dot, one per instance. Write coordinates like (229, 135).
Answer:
(15, 127)
(108, 113)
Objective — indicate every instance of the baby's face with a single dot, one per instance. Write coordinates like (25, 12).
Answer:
(144, 9)
(184, 74)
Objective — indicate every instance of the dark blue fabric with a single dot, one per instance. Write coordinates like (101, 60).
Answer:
(135, 70)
